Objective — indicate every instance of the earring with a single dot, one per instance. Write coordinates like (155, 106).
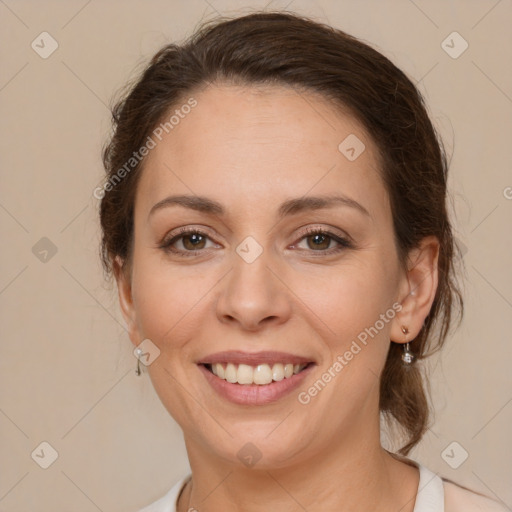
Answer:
(139, 352)
(407, 356)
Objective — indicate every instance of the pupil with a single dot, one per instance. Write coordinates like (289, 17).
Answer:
(319, 239)
(193, 240)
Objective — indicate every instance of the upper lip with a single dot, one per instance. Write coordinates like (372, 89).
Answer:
(253, 358)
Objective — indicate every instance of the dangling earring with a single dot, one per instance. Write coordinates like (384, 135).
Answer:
(407, 356)
(139, 352)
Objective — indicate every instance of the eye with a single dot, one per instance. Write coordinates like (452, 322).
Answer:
(320, 239)
(193, 240)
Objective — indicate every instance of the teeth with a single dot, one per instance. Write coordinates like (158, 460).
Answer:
(261, 374)
(231, 373)
(245, 374)
(277, 372)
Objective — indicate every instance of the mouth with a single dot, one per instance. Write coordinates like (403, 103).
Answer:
(260, 374)
(255, 378)
(257, 384)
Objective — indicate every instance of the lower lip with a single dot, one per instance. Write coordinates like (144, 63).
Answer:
(255, 394)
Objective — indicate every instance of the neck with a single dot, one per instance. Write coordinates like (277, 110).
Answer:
(346, 477)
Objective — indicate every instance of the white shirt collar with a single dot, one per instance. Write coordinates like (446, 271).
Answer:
(430, 495)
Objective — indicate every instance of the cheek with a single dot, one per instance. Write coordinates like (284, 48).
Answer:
(164, 299)
(351, 311)
(351, 296)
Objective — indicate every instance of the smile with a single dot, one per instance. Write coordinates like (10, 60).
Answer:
(261, 374)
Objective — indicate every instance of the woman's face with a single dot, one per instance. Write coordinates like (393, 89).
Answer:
(255, 279)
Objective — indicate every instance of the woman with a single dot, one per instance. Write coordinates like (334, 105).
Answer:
(275, 218)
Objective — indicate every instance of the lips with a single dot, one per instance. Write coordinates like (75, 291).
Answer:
(255, 394)
(253, 359)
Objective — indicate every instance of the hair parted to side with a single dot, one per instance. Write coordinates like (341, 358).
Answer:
(281, 48)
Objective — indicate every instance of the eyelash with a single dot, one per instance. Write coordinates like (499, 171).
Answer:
(343, 243)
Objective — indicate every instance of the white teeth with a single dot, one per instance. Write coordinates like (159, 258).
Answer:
(231, 373)
(277, 372)
(245, 374)
(261, 374)
(218, 369)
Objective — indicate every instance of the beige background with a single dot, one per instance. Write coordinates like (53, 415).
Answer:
(67, 369)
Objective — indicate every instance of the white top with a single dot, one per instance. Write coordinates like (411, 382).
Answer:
(435, 494)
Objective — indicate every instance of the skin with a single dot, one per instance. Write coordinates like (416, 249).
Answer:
(251, 148)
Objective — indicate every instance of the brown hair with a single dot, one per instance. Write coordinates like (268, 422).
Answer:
(281, 48)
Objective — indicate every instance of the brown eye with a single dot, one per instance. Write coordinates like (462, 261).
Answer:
(192, 242)
(320, 240)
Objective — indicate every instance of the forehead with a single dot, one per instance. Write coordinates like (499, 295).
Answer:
(245, 144)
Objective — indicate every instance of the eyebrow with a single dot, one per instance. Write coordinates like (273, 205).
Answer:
(289, 207)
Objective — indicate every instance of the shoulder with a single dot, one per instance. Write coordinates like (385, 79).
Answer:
(462, 499)
(440, 494)
(167, 503)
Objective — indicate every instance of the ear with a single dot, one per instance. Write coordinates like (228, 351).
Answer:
(417, 290)
(124, 289)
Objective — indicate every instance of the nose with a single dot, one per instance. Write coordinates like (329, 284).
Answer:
(253, 295)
